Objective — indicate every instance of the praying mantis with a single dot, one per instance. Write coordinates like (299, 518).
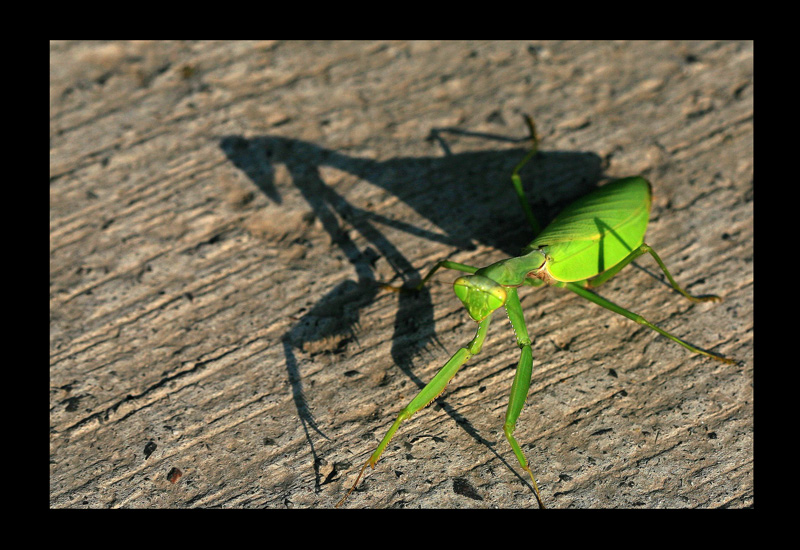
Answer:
(587, 244)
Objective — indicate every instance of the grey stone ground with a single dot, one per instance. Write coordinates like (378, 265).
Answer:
(219, 213)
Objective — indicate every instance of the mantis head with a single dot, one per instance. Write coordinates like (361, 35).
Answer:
(480, 295)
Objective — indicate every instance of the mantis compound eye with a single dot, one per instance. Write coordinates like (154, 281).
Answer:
(480, 295)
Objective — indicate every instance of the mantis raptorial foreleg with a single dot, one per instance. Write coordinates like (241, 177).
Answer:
(592, 297)
(522, 378)
(522, 381)
(430, 392)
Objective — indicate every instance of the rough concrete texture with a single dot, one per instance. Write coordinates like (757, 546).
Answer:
(220, 214)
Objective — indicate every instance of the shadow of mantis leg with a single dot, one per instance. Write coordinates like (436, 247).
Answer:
(592, 297)
(522, 381)
(645, 248)
(430, 392)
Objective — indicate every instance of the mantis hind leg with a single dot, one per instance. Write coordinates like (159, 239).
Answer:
(645, 248)
(592, 297)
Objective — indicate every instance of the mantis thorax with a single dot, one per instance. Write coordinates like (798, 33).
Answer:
(484, 292)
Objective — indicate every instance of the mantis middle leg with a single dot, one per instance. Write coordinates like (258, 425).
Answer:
(517, 181)
(447, 264)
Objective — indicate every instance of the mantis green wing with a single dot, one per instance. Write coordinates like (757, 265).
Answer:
(597, 231)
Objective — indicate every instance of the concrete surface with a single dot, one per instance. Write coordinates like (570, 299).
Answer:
(220, 214)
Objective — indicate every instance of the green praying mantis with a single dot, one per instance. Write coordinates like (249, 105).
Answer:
(588, 243)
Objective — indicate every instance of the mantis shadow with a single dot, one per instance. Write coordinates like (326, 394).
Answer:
(469, 199)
